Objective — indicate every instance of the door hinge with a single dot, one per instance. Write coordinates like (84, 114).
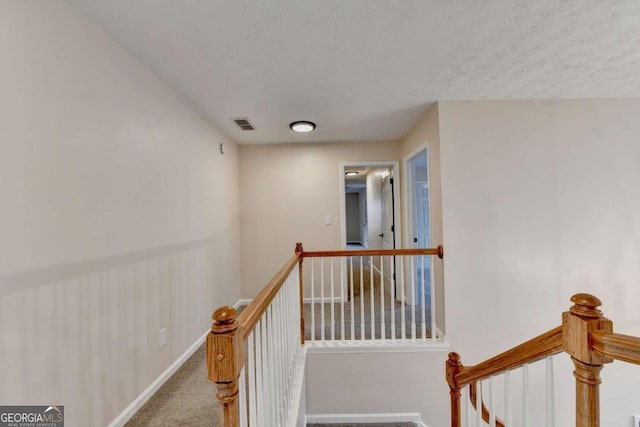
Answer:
(393, 229)
(391, 181)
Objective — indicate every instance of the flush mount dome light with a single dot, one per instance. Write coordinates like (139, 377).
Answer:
(351, 173)
(302, 126)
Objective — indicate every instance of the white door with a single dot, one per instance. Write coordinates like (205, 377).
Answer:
(388, 229)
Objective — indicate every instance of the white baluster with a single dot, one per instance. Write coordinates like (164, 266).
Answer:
(361, 300)
(492, 403)
(466, 406)
(251, 356)
(333, 320)
(372, 293)
(322, 325)
(342, 300)
(269, 345)
(382, 325)
(351, 297)
(260, 411)
(392, 297)
(432, 298)
(525, 395)
(422, 299)
(402, 302)
(313, 304)
(413, 298)
(550, 398)
(507, 399)
(479, 404)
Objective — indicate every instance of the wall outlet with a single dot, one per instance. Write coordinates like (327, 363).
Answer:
(162, 337)
(636, 421)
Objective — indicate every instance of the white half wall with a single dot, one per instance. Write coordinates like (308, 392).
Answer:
(378, 383)
(119, 217)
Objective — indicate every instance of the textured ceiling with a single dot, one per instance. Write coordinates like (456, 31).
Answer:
(367, 69)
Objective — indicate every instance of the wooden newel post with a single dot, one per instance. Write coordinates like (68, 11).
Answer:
(582, 319)
(454, 366)
(224, 363)
(300, 250)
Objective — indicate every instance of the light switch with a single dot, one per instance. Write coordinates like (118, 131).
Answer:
(327, 220)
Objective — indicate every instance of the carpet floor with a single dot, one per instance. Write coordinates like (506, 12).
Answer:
(186, 399)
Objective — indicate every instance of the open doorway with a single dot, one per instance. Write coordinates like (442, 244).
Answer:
(370, 195)
(370, 198)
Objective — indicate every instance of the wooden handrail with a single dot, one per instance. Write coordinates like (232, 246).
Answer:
(585, 335)
(249, 317)
(544, 345)
(616, 346)
(438, 251)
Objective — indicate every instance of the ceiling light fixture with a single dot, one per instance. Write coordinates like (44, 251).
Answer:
(302, 126)
(351, 173)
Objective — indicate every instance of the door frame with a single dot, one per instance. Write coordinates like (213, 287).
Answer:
(409, 199)
(408, 212)
(395, 167)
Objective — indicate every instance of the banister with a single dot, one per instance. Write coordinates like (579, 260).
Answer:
(537, 348)
(438, 251)
(616, 346)
(249, 317)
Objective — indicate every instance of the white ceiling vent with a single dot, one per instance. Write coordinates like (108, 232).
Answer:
(243, 123)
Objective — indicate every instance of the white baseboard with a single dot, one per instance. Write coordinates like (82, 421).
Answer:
(388, 417)
(135, 406)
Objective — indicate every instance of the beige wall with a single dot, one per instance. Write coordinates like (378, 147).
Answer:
(286, 191)
(378, 383)
(540, 201)
(426, 133)
(119, 217)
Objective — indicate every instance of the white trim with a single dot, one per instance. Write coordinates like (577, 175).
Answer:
(385, 417)
(297, 389)
(131, 410)
(376, 346)
(242, 301)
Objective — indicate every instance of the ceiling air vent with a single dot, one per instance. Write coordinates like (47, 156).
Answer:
(243, 123)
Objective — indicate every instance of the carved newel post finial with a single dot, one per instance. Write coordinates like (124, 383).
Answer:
(224, 362)
(583, 319)
(298, 247)
(586, 306)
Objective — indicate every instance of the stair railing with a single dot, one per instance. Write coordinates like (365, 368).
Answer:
(254, 357)
(373, 295)
(585, 334)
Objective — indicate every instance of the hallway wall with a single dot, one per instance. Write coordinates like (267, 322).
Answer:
(540, 202)
(286, 191)
(119, 217)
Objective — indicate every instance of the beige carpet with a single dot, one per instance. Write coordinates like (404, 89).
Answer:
(186, 399)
